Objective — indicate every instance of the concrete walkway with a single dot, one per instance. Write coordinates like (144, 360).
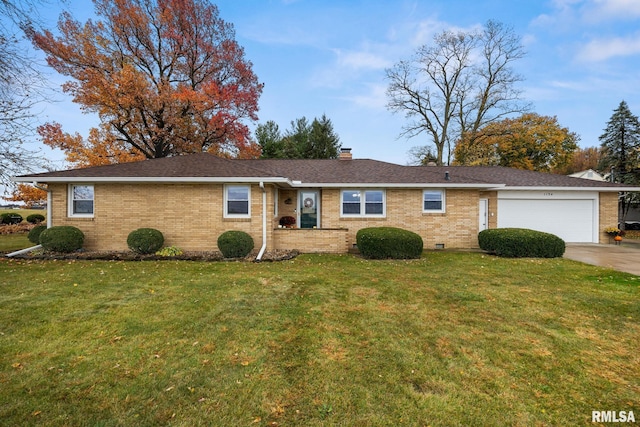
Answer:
(624, 257)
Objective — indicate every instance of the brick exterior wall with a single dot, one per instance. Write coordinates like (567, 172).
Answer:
(608, 214)
(325, 240)
(191, 217)
(456, 228)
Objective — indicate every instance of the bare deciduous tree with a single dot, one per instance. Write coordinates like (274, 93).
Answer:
(20, 90)
(457, 85)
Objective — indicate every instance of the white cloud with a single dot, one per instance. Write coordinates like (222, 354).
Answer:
(374, 98)
(598, 10)
(602, 49)
(361, 60)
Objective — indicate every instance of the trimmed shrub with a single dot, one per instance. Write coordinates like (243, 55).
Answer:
(10, 218)
(235, 244)
(520, 243)
(35, 218)
(63, 238)
(389, 242)
(34, 234)
(145, 240)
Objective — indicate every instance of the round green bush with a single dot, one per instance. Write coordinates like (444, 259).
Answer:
(521, 243)
(145, 240)
(63, 238)
(35, 218)
(389, 242)
(235, 244)
(10, 218)
(34, 234)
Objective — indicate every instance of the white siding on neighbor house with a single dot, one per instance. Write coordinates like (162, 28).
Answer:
(572, 216)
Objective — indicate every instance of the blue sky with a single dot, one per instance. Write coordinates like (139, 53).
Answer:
(329, 57)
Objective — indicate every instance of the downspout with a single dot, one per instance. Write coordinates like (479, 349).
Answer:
(49, 207)
(264, 223)
(49, 211)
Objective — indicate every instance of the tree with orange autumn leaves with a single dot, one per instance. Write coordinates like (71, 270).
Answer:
(28, 194)
(531, 142)
(166, 77)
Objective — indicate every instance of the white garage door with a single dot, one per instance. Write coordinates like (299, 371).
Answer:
(571, 220)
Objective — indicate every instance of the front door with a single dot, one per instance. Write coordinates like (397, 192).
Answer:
(309, 209)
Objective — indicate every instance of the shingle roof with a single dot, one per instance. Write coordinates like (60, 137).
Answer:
(203, 166)
(187, 166)
(523, 178)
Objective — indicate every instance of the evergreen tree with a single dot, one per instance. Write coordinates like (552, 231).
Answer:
(323, 141)
(270, 140)
(315, 140)
(620, 144)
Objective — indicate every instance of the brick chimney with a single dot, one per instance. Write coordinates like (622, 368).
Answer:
(345, 154)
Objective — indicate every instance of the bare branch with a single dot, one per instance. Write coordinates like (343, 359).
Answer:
(460, 83)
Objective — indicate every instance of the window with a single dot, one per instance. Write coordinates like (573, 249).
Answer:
(81, 200)
(350, 202)
(433, 201)
(237, 201)
(373, 202)
(363, 203)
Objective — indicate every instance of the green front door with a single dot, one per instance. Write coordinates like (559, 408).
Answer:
(308, 209)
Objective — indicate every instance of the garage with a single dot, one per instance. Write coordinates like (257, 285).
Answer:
(571, 216)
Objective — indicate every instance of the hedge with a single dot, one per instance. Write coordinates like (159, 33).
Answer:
(145, 240)
(35, 218)
(10, 218)
(34, 234)
(520, 243)
(235, 244)
(63, 238)
(389, 242)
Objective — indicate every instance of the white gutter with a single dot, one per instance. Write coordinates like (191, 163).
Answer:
(264, 222)
(154, 179)
(49, 200)
(558, 188)
(395, 185)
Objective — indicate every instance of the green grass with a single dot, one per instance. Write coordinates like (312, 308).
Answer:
(14, 242)
(452, 339)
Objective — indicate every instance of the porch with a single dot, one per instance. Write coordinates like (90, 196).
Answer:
(326, 240)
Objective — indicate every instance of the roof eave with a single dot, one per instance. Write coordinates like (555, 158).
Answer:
(150, 179)
(566, 188)
(392, 185)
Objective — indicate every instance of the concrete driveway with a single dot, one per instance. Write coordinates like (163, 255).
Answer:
(625, 257)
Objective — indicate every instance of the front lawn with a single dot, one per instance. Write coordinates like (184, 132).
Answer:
(14, 242)
(450, 339)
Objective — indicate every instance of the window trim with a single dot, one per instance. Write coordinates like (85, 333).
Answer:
(443, 200)
(71, 208)
(363, 203)
(227, 187)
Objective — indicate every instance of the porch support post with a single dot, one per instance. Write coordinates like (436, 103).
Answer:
(264, 222)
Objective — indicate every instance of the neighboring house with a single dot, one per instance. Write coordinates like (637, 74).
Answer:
(192, 199)
(588, 174)
(632, 217)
